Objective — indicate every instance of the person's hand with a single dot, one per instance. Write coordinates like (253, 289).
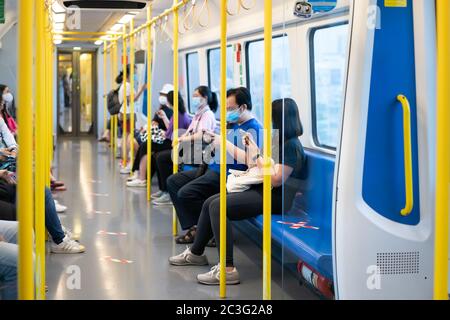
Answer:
(2, 239)
(144, 87)
(155, 124)
(214, 138)
(252, 147)
(161, 114)
(6, 176)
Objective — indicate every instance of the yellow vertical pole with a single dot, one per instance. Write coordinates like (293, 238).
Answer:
(149, 100)
(50, 104)
(132, 57)
(45, 76)
(175, 106)
(114, 69)
(105, 101)
(25, 208)
(125, 102)
(39, 182)
(223, 152)
(443, 152)
(267, 189)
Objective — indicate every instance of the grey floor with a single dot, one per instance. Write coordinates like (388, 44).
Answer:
(98, 200)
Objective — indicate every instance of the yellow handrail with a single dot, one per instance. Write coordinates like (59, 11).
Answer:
(40, 168)
(409, 193)
(267, 188)
(105, 100)
(132, 57)
(175, 106)
(223, 143)
(443, 152)
(115, 73)
(149, 102)
(125, 102)
(25, 208)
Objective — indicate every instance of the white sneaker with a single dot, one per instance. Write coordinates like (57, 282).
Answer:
(125, 170)
(163, 200)
(69, 233)
(59, 207)
(67, 246)
(187, 258)
(157, 194)
(137, 183)
(212, 278)
(133, 177)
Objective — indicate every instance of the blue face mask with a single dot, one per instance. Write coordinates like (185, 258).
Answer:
(196, 103)
(233, 116)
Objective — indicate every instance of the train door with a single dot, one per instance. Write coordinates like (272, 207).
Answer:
(383, 202)
(76, 91)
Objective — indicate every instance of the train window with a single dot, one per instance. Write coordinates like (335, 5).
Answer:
(328, 54)
(214, 70)
(192, 75)
(281, 73)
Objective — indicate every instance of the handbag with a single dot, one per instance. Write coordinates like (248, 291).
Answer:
(240, 181)
(158, 136)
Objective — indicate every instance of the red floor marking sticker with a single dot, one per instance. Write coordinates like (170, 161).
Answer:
(103, 232)
(298, 225)
(122, 261)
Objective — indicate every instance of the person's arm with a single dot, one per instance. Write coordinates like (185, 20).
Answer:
(8, 137)
(162, 115)
(141, 90)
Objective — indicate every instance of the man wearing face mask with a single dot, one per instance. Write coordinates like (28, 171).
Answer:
(189, 193)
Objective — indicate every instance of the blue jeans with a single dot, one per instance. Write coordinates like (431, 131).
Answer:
(8, 260)
(52, 222)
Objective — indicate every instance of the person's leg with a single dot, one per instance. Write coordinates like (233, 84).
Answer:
(7, 211)
(8, 260)
(164, 166)
(204, 231)
(52, 222)
(8, 270)
(240, 206)
(141, 152)
(143, 168)
(174, 184)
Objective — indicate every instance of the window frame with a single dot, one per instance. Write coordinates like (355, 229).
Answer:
(188, 89)
(313, 91)
(208, 60)
(247, 64)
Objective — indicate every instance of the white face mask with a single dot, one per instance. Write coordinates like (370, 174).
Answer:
(163, 100)
(8, 97)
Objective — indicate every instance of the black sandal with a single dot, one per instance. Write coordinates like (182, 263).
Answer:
(188, 237)
(212, 243)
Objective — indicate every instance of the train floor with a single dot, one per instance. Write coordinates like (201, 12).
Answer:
(128, 241)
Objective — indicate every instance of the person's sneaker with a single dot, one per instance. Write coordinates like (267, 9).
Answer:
(164, 200)
(59, 207)
(67, 246)
(156, 194)
(187, 258)
(212, 278)
(125, 170)
(69, 233)
(134, 176)
(137, 183)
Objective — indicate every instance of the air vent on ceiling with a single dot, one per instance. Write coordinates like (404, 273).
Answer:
(106, 4)
(396, 263)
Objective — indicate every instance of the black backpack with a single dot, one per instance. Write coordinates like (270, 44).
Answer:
(113, 102)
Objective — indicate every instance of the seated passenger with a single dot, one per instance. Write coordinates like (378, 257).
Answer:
(188, 191)
(9, 251)
(248, 204)
(158, 150)
(62, 241)
(6, 107)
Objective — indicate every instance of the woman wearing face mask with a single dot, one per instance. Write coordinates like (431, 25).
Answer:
(285, 175)
(7, 104)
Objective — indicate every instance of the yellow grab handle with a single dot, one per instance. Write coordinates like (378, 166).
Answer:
(408, 156)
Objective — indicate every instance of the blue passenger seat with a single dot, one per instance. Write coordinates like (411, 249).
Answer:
(305, 231)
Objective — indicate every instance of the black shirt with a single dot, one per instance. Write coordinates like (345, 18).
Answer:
(169, 114)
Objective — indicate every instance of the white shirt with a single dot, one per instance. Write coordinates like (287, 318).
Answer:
(128, 88)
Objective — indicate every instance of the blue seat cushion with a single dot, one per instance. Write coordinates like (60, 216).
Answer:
(310, 241)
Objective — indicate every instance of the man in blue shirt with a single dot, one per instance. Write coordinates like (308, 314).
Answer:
(187, 191)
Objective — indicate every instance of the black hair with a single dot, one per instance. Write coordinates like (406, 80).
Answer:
(289, 123)
(119, 78)
(181, 106)
(210, 96)
(242, 96)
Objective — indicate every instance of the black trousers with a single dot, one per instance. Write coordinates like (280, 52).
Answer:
(240, 206)
(142, 151)
(188, 194)
(164, 167)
